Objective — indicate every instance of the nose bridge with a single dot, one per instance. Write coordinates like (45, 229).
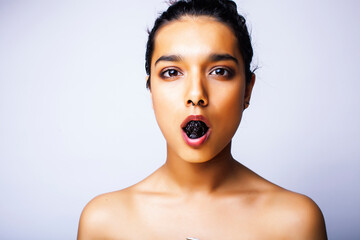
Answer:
(196, 87)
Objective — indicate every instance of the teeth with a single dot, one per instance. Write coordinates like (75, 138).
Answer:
(195, 129)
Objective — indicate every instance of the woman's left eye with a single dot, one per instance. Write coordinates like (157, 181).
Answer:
(221, 72)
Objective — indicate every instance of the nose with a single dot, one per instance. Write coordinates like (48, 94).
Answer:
(196, 93)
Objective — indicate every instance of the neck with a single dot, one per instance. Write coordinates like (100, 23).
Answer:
(203, 177)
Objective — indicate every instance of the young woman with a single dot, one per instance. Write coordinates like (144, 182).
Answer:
(198, 63)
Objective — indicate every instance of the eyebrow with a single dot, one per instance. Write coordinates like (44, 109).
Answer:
(223, 57)
(169, 58)
(213, 58)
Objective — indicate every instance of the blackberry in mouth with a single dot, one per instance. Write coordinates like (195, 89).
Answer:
(195, 129)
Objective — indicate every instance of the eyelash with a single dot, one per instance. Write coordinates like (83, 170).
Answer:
(228, 73)
(166, 71)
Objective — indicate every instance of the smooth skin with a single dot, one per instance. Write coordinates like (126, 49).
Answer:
(200, 192)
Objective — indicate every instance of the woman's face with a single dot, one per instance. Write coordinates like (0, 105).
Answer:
(197, 74)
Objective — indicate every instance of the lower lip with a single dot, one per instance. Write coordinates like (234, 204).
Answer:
(197, 142)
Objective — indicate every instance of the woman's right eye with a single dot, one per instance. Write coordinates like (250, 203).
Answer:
(169, 73)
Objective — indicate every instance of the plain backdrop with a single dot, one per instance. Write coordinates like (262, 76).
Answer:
(76, 119)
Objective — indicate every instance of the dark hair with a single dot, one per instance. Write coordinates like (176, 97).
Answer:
(224, 11)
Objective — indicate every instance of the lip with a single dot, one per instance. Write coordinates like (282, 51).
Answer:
(198, 141)
(195, 118)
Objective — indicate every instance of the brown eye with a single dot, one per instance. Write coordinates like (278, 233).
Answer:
(221, 72)
(170, 73)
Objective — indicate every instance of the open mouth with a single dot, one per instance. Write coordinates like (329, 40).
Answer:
(195, 129)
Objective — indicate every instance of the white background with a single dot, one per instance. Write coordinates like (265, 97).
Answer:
(76, 119)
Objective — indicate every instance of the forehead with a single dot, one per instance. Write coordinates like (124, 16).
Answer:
(195, 36)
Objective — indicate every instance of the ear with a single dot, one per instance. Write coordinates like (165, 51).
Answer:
(146, 81)
(248, 90)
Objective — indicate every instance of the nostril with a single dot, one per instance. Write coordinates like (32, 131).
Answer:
(190, 101)
(201, 102)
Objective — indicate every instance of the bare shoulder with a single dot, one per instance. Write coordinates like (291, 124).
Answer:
(112, 215)
(285, 214)
(103, 214)
(295, 216)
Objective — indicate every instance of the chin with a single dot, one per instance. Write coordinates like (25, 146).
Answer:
(178, 148)
(200, 155)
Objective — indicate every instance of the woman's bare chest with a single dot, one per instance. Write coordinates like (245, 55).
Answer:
(197, 220)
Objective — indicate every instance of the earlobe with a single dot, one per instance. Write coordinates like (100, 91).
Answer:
(147, 81)
(147, 78)
(248, 91)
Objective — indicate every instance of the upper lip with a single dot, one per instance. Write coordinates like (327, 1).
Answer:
(195, 118)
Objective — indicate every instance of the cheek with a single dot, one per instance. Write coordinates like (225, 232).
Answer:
(228, 110)
(166, 106)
